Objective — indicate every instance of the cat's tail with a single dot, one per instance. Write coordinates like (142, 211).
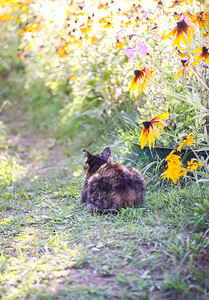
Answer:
(95, 209)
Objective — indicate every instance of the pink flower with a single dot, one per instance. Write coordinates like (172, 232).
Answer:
(129, 52)
(141, 49)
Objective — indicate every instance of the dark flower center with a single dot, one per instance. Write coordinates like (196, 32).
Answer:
(182, 26)
(200, 18)
(138, 73)
(147, 124)
(205, 50)
(184, 62)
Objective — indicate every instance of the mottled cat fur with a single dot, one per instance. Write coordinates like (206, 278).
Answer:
(110, 186)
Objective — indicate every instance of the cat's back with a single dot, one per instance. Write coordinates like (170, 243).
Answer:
(112, 169)
(118, 174)
(116, 186)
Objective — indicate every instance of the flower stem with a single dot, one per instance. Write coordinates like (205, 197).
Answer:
(170, 93)
(198, 77)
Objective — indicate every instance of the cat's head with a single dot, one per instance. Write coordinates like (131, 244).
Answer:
(94, 161)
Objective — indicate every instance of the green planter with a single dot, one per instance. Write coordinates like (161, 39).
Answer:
(161, 152)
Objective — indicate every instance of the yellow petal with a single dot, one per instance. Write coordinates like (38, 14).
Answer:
(161, 127)
(163, 116)
(169, 34)
(197, 50)
(177, 41)
(179, 147)
(156, 132)
(132, 84)
(207, 60)
(184, 40)
(197, 59)
(151, 137)
(143, 137)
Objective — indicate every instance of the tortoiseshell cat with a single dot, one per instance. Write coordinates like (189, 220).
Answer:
(110, 186)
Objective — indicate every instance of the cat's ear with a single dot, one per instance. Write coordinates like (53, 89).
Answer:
(107, 152)
(87, 154)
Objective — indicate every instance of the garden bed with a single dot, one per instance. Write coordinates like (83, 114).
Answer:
(162, 152)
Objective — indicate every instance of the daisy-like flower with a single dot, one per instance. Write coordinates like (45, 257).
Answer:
(201, 19)
(86, 29)
(204, 53)
(108, 25)
(140, 80)
(188, 141)
(106, 22)
(184, 27)
(193, 165)
(183, 69)
(150, 130)
(30, 28)
(103, 6)
(176, 2)
(174, 168)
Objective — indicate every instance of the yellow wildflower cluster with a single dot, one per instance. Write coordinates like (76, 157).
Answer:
(193, 165)
(184, 29)
(174, 167)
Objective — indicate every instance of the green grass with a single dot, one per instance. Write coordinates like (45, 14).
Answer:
(53, 248)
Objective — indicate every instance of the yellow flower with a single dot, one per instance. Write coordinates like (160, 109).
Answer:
(30, 28)
(184, 27)
(106, 22)
(174, 168)
(86, 29)
(108, 25)
(201, 19)
(119, 45)
(188, 141)
(192, 165)
(176, 2)
(150, 131)
(183, 68)
(140, 80)
(204, 53)
(5, 17)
